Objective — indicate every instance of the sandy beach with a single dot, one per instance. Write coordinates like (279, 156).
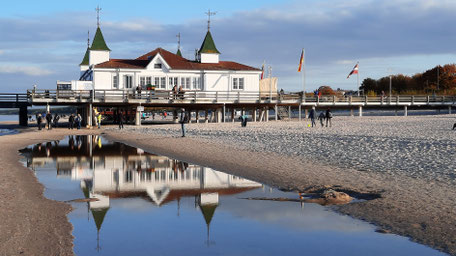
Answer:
(408, 162)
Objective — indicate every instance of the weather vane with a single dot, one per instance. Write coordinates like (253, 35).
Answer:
(209, 14)
(98, 9)
(178, 40)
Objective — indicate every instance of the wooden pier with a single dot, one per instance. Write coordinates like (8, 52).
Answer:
(218, 103)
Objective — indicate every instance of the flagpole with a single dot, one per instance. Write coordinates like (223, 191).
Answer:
(357, 78)
(304, 74)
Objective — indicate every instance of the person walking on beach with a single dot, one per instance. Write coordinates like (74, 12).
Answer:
(56, 120)
(312, 116)
(49, 120)
(120, 118)
(322, 117)
(454, 126)
(39, 120)
(71, 122)
(183, 118)
(328, 116)
(99, 120)
(78, 121)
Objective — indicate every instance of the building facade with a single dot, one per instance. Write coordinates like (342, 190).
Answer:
(163, 70)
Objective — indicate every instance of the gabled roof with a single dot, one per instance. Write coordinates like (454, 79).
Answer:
(208, 45)
(174, 61)
(99, 42)
(85, 60)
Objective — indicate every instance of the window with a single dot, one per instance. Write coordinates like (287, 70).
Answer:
(142, 81)
(241, 83)
(238, 83)
(128, 81)
(115, 82)
(157, 82)
(163, 82)
(158, 65)
(148, 80)
(187, 83)
(196, 83)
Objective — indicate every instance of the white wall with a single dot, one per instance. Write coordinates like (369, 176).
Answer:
(97, 57)
(209, 57)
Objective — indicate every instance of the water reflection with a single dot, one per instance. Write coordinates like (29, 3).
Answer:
(114, 170)
(135, 203)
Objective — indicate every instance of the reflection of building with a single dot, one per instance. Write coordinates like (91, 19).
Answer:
(115, 170)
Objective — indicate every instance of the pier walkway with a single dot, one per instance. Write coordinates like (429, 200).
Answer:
(217, 102)
(16, 100)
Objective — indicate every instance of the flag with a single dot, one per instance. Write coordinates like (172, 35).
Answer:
(301, 60)
(262, 71)
(354, 71)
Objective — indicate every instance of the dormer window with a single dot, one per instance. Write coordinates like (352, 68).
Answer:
(158, 65)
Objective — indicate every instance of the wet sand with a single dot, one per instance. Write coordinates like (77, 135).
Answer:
(419, 204)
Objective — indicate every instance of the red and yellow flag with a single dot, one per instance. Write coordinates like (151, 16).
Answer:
(301, 60)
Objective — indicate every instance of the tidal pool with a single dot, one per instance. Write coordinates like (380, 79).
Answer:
(130, 202)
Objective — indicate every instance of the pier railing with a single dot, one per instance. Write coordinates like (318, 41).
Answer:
(119, 96)
(13, 97)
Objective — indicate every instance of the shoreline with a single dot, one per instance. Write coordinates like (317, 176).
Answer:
(409, 206)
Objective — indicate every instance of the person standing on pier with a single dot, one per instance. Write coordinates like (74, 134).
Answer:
(328, 117)
(312, 116)
(56, 120)
(49, 120)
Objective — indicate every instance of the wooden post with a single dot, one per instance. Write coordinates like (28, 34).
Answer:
(23, 116)
(206, 116)
(276, 114)
(289, 112)
(449, 110)
(254, 114)
(232, 114)
(197, 116)
(299, 112)
(405, 111)
(360, 110)
(352, 113)
(267, 114)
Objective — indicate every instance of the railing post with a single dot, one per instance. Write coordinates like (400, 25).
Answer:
(239, 96)
(365, 98)
(194, 96)
(216, 96)
(397, 100)
(17, 97)
(413, 100)
(427, 99)
(350, 99)
(334, 99)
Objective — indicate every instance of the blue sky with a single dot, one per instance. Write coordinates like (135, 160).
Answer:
(44, 41)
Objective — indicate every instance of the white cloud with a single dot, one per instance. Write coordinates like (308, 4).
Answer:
(26, 70)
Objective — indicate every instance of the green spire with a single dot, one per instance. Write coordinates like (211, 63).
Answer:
(99, 42)
(85, 61)
(208, 45)
(98, 216)
(208, 212)
(179, 52)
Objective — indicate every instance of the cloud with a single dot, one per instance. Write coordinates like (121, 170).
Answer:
(2, 52)
(335, 34)
(26, 70)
